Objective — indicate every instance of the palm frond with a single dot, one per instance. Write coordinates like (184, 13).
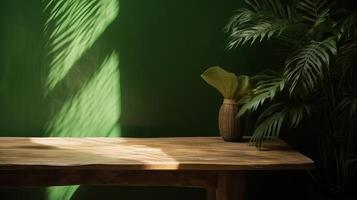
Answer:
(348, 26)
(264, 29)
(296, 112)
(349, 104)
(273, 7)
(274, 117)
(267, 87)
(307, 65)
(347, 109)
(271, 121)
(270, 126)
(347, 52)
(267, 18)
(242, 16)
(314, 11)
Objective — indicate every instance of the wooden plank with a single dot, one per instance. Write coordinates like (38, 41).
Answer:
(39, 178)
(231, 185)
(196, 153)
(211, 193)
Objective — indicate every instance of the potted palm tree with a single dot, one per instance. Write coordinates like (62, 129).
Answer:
(315, 88)
(232, 88)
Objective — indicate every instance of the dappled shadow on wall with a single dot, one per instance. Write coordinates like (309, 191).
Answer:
(81, 74)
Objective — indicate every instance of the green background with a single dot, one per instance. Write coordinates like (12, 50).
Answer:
(163, 46)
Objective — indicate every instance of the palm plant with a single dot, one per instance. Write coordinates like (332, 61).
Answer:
(317, 80)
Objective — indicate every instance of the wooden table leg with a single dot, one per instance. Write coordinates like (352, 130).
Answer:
(211, 193)
(231, 185)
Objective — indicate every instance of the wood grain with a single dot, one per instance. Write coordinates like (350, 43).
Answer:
(230, 185)
(186, 153)
(41, 178)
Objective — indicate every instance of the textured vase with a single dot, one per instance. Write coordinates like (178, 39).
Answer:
(227, 121)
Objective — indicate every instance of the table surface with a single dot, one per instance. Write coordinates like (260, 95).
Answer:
(181, 153)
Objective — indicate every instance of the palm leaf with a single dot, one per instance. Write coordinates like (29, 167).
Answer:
(266, 19)
(265, 29)
(267, 87)
(348, 26)
(269, 124)
(347, 35)
(347, 109)
(349, 104)
(314, 11)
(274, 7)
(242, 16)
(347, 52)
(307, 65)
(271, 121)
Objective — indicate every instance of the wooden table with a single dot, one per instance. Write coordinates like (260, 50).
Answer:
(204, 162)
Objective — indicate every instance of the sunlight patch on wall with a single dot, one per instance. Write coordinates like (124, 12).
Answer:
(85, 98)
(72, 27)
(95, 109)
(61, 193)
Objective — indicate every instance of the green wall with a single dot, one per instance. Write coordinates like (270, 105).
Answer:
(154, 91)
(163, 48)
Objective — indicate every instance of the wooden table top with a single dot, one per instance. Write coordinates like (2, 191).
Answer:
(185, 153)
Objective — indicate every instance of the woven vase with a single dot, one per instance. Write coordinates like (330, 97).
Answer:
(228, 122)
